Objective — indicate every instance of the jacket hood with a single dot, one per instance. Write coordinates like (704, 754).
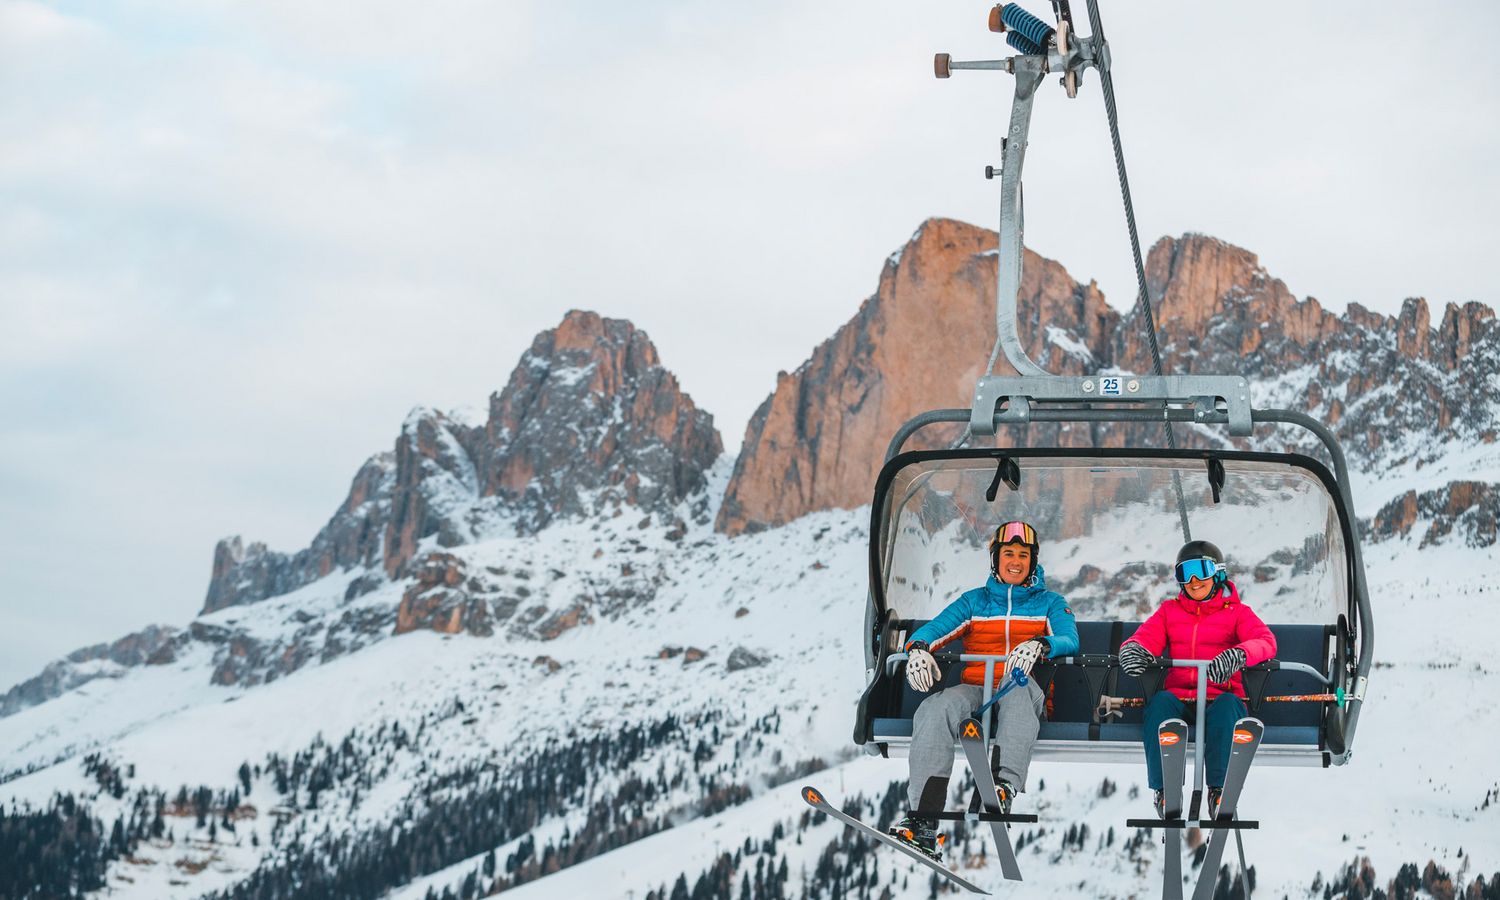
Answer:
(1227, 597)
(1037, 587)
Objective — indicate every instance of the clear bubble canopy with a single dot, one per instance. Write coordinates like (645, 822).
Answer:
(1110, 528)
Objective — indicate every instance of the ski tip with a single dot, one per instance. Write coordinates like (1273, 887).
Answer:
(812, 796)
(970, 728)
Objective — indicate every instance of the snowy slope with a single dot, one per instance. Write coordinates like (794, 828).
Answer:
(1412, 793)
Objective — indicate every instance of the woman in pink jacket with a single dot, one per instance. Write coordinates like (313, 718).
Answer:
(1206, 620)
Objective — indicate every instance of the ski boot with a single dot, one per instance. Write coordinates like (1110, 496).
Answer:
(1007, 794)
(920, 833)
(1159, 803)
(1215, 794)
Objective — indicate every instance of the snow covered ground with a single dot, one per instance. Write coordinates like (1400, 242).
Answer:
(1420, 773)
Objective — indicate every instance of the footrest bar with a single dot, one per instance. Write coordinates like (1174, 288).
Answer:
(983, 816)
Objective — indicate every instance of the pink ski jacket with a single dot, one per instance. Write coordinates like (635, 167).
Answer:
(1184, 628)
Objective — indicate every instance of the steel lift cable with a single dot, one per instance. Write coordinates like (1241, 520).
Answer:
(1142, 298)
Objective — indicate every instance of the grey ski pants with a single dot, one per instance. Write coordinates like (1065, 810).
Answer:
(935, 729)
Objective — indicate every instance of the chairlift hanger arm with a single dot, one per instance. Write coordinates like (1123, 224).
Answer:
(1060, 54)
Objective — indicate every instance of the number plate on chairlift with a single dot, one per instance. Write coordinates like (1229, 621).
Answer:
(1109, 386)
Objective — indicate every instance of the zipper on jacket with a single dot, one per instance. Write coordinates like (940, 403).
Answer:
(1009, 590)
(1193, 642)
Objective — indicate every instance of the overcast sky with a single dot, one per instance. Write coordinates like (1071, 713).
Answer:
(239, 241)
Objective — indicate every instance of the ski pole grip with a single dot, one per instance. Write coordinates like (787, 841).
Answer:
(1019, 21)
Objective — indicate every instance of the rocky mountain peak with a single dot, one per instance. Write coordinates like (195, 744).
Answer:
(1395, 388)
(1218, 311)
(918, 343)
(589, 421)
(247, 573)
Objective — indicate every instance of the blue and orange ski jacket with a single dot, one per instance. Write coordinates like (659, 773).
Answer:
(994, 618)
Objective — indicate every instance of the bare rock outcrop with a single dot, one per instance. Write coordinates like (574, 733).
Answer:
(920, 342)
(436, 487)
(439, 601)
(1466, 510)
(352, 538)
(1396, 389)
(589, 422)
(1219, 312)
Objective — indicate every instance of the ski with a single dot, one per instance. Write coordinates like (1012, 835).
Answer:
(971, 737)
(1171, 740)
(1247, 735)
(816, 800)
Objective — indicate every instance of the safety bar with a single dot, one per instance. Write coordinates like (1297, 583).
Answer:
(1274, 665)
(989, 660)
(1201, 691)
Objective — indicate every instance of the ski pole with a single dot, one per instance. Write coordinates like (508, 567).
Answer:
(1017, 679)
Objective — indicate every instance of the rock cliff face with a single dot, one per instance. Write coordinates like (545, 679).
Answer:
(1393, 387)
(918, 343)
(352, 538)
(589, 422)
(1466, 510)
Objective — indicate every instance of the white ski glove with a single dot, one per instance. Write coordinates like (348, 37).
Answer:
(1225, 665)
(1134, 659)
(1023, 656)
(922, 670)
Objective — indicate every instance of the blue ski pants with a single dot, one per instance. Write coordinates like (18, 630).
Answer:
(1223, 711)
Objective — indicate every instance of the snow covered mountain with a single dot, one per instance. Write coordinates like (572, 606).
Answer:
(569, 649)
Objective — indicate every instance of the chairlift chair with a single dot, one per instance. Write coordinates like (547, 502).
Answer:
(1110, 518)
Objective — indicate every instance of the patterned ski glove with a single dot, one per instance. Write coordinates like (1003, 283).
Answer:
(1134, 658)
(922, 670)
(1024, 655)
(1225, 665)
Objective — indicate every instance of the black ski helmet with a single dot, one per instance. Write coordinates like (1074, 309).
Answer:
(1016, 532)
(1194, 550)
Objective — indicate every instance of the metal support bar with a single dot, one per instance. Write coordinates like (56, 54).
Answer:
(1022, 394)
(1029, 71)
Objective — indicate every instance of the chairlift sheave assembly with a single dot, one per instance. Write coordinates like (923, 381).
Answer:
(1112, 514)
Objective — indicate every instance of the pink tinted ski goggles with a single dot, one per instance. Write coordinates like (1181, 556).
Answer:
(1014, 531)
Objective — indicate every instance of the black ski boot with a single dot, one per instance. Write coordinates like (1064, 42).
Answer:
(1159, 803)
(1214, 795)
(920, 833)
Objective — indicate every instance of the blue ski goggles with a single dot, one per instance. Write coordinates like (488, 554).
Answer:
(1202, 568)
